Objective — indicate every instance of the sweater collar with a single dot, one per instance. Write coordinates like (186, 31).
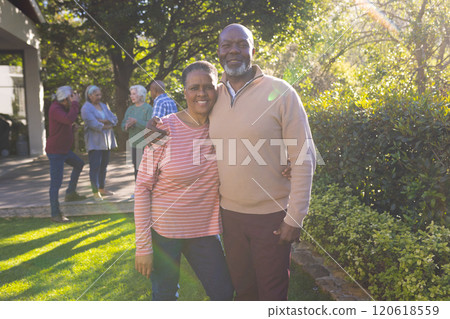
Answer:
(256, 68)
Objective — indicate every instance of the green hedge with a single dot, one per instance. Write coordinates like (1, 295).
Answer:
(378, 250)
(393, 152)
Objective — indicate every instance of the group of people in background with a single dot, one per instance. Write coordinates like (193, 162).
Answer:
(99, 137)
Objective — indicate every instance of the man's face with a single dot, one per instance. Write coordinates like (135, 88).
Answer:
(235, 51)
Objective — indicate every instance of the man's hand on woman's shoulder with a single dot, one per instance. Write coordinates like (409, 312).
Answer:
(152, 127)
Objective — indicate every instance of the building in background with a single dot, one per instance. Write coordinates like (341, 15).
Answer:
(21, 91)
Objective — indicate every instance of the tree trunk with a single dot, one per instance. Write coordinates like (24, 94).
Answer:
(420, 49)
(421, 77)
(123, 69)
(121, 97)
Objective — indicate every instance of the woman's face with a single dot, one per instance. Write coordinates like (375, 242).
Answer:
(200, 92)
(135, 98)
(95, 97)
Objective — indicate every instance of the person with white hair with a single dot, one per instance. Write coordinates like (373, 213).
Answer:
(62, 116)
(99, 138)
(134, 121)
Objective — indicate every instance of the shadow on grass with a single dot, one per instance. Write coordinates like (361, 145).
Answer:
(120, 283)
(58, 254)
(58, 275)
(13, 250)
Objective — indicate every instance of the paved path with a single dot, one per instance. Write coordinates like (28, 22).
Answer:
(25, 181)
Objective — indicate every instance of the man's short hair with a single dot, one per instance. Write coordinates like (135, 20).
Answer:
(247, 30)
(158, 85)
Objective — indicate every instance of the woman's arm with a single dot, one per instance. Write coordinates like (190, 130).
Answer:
(88, 116)
(142, 214)
(145, 183)
(112, 118)
(61, 116)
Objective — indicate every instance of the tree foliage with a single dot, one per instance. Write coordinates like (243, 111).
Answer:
(374, 46)
(157, 37)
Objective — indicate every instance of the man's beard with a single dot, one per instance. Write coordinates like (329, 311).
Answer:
(237, 71)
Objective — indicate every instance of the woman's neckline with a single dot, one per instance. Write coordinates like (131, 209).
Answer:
(189, 126)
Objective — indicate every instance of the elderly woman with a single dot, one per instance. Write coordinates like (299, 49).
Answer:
(134, 122)
(62, 116)
(177, 199)
(99, 138)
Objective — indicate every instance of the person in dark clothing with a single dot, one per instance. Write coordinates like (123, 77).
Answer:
(62, 115)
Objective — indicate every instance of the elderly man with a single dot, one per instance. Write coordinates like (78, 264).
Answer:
(258, 122)
(162, 104)
(61, 124)
(255, 117)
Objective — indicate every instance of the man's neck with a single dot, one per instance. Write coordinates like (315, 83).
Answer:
(237, 82)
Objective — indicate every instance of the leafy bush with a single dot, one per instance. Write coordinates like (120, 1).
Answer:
(393, 152)
(378, 250)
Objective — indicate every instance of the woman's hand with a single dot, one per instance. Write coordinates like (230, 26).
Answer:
(144, 264)
(130, 122)
(287, 171)
(75, 97)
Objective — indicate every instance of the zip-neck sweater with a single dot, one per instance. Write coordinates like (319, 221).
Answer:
(247, 130)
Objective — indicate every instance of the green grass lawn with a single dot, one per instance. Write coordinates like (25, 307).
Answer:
(91, 259)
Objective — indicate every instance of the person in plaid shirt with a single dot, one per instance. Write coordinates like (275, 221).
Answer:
(162, 104)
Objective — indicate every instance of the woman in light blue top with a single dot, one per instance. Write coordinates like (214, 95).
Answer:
(99, 138)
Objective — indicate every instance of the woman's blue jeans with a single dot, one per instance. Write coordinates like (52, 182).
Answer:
(204, 254)
(98, 161)
(56, 176)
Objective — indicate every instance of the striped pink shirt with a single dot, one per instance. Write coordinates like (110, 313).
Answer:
(182, 201)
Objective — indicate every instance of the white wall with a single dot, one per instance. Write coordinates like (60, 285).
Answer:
(6, 90)
(18, 32)
(12, 88)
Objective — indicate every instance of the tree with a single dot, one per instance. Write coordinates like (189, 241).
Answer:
(406, 40)
(162, 36)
